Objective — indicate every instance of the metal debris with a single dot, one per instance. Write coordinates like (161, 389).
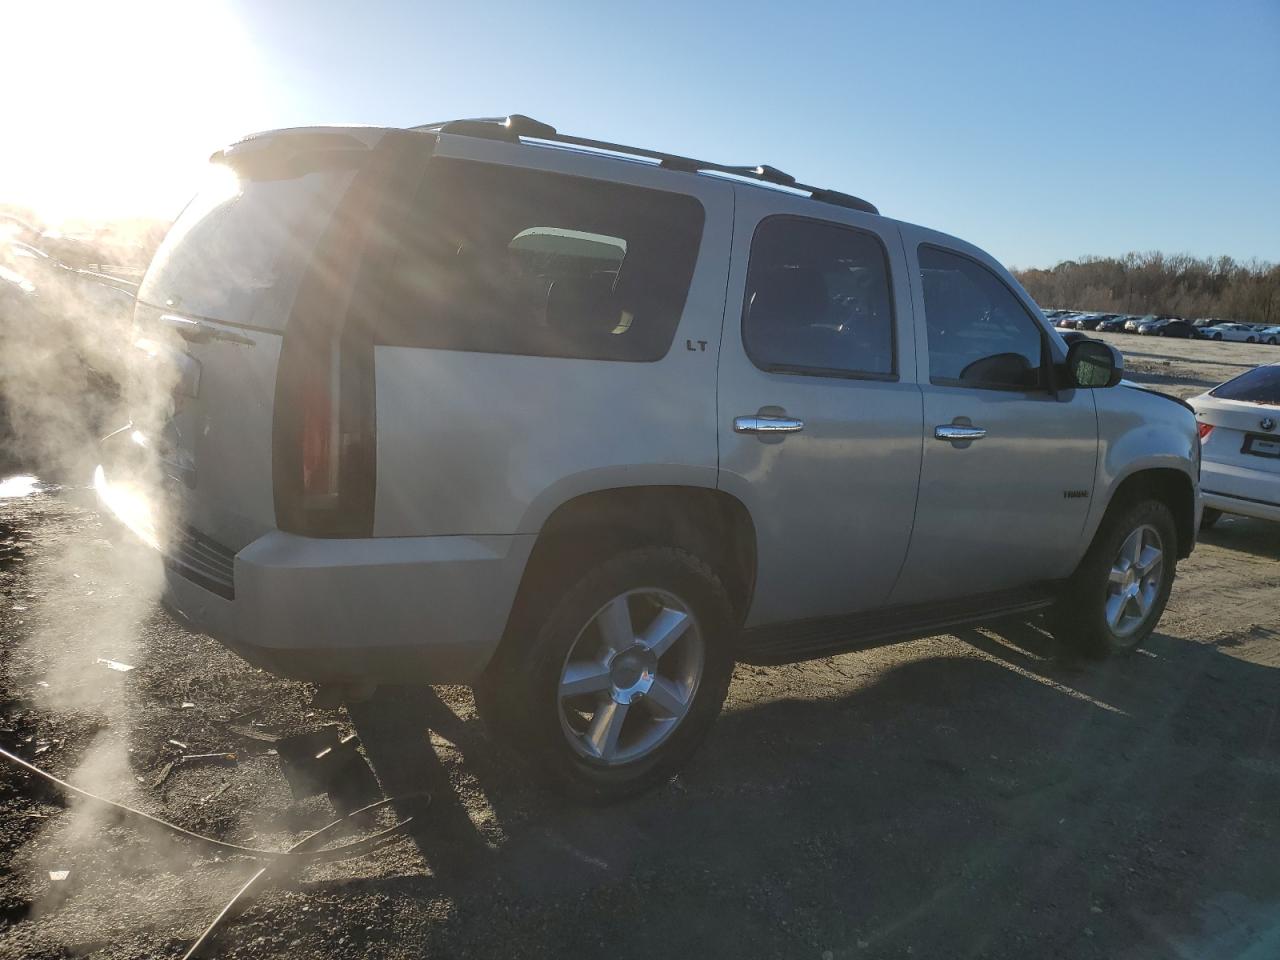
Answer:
(164, 774)
(323, 761)
(115, 665)
(309, 760)
(249, 733)
(354, 849)
(59, 875)
(217, 793)
(226, 758)
(276, 870)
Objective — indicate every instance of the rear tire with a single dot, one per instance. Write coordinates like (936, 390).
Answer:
(645, 707)
(1115, 598)
(1209, 517)
(1217, 336)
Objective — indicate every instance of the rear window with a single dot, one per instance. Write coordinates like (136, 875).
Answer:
(1259, 385)
(500, 259)
(238, 251)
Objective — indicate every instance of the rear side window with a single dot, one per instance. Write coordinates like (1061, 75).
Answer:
(980, 335)
(818, 300)
(500, 259)
(238, 251)
(1259, 385)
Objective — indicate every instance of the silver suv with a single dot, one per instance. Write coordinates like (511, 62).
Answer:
(582, 424)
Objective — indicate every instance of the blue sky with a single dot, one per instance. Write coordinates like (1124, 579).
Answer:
(1038, 131)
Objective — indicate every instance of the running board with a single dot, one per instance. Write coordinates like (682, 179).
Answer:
(826, 636)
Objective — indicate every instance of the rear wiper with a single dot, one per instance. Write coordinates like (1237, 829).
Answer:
(201, 331)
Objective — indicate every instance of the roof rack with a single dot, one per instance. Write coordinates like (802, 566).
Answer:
(517, 126)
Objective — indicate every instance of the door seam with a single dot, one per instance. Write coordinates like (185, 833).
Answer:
(724, 316)
(915, 338)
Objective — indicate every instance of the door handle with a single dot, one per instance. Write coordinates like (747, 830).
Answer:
(955, 433)
(759, 424)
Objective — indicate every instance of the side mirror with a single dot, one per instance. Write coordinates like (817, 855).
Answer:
(1092, 363)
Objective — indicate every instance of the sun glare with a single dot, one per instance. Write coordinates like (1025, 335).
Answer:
(113, 108)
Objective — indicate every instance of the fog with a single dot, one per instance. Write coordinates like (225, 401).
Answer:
(70, 372)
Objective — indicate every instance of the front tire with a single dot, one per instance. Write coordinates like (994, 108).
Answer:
(612, 689)
(1217, 336)
(1117, 595)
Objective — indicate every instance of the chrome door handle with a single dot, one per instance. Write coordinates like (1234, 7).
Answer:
(953, 433)
(759, 424)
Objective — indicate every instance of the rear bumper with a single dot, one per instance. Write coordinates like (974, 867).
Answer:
(1241, 490)
(383, 610)
(1242, 507)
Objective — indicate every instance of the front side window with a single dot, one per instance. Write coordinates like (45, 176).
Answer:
(499, 259)
(980, 335)
(818, 300)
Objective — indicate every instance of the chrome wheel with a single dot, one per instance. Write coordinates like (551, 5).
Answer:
(1134, 582)
(630, 677)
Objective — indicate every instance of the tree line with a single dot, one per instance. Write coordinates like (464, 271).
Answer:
(1178, 284)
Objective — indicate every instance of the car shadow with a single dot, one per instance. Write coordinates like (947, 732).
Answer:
(1258, 537)
(1000, 797)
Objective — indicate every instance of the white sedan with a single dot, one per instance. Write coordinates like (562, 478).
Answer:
(1240, 444)
(1231, 331)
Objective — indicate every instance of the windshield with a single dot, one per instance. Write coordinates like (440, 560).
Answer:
(238, 251)
(1259, 385)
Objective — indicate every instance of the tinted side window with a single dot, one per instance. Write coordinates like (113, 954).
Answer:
(818, 300)
(505, 260)
(980, 335)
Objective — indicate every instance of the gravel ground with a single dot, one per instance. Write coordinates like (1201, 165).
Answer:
(979, 795)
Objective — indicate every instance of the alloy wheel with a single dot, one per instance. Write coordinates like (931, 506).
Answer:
(630, 676)
(1134, 582)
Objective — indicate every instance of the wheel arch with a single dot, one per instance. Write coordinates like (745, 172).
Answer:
(1169, 485)
(709, 523)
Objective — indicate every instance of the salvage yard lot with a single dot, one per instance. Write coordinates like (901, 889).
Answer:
(973, 795)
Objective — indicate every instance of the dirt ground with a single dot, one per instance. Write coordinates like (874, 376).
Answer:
(976, 795)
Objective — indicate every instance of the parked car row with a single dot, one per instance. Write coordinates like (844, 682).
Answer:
(1241, 333)
(1162, 325)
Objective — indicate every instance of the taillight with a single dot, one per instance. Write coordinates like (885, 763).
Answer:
(324, 449)
(1205, 429)
(325, 428)
(318, 402)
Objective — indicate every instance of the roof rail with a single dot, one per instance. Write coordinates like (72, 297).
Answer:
(517, 126)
